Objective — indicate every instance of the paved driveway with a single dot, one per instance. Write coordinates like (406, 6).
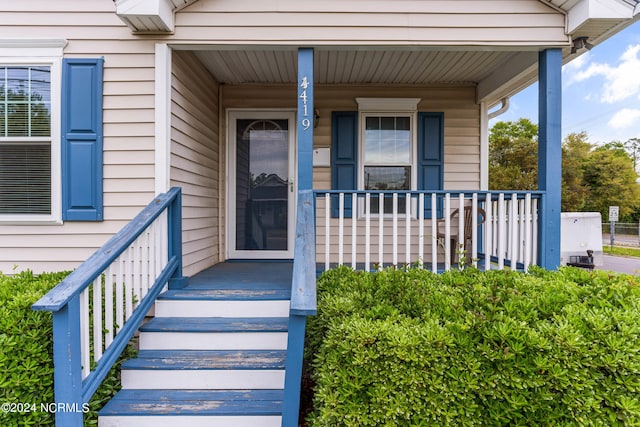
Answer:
(621, 264)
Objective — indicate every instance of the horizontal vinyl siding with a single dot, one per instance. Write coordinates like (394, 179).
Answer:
(195, 163)
(92, 30)
(345, 22)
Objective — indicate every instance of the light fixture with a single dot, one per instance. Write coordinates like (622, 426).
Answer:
(580, 43)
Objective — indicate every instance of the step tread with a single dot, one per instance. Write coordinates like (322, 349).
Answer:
(207, 359)
(194, 402)
(226, 295)
(216, 324)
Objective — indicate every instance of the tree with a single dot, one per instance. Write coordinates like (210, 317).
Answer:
(611, 179)
(513, 156)
(593, 178)
(575, 149)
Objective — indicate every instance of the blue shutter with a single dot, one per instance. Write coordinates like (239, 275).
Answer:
(431, 156)
(344, 155)
(82, 139)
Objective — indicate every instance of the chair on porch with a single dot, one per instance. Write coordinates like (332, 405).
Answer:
(468, 230)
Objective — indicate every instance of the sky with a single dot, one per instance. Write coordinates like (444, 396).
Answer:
(600, 92)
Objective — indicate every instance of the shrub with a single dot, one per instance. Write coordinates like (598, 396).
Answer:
(26, 352)
(409, 347)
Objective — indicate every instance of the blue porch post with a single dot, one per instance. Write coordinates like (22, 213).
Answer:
(297, 319)
(550, 156)
(174, 218)
(67, 374)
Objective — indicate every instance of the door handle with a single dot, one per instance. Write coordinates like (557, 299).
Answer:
(291, 185)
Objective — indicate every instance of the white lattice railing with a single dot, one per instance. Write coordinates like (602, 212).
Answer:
(366, 229)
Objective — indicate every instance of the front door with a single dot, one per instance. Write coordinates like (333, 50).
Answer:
(261, 184)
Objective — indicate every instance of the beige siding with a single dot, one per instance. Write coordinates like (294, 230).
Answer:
(378, 22)
(91, 29)
(195, 159)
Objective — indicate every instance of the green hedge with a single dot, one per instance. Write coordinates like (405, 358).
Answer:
(400, 348)
(26, 353)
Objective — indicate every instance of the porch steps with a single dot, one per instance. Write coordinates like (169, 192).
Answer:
(210, 356)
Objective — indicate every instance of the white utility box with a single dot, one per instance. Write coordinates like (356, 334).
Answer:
(579, 232)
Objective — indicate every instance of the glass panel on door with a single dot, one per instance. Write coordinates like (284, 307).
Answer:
(262, 180)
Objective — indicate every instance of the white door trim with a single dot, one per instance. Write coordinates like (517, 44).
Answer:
(232, 115)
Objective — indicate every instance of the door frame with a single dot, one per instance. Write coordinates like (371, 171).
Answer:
(232, 115)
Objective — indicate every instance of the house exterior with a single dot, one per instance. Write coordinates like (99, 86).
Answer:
(330, 132)
(174, 80)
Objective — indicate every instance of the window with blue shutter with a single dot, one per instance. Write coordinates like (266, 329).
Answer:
(344, 155)
(82, 139)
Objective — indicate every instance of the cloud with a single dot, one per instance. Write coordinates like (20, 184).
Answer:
(620, 81)
(625, 118)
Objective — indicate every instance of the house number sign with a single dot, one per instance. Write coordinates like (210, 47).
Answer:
(306, 121)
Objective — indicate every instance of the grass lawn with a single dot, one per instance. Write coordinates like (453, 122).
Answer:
(621, 250)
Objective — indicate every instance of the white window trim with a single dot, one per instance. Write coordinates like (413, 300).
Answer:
(388, 107)
(47, 52)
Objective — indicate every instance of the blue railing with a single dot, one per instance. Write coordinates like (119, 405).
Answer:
(303, 304)
(99, 306)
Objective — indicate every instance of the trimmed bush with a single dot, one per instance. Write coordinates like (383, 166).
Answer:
(409, 347)
(26, 353)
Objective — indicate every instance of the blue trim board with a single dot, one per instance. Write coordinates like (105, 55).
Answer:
(215, 324)
(207, 360)
(227, 295)
(192, 402)
(550, 156)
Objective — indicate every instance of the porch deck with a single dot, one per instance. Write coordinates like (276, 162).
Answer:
(273, 276)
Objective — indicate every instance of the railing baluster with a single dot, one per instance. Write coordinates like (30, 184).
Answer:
(97, 318)
(367, 232)
(119, 296)
(354, 227)
(420, 230)
(527, 231)
(341, 229)
(501, 230)
(145, 265)
(85, 340)
(137, 290)
(381, 229)
(407, 230)
(461, 225)
(327, 231)
(534, 245)
(474, 229)
(128, 285)
(447, 232)
(108, 307)
(434, 233)
(394, 242)
(513, 225)
(488, 232)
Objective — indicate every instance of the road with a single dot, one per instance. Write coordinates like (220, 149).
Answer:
(620, 264)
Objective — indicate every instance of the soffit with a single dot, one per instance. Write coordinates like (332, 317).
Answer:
(354, 67)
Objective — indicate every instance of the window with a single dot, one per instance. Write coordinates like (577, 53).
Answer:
(387, 147)
(29, 130)
(25, 139)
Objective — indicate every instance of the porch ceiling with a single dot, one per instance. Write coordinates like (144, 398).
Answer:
(357, 66)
